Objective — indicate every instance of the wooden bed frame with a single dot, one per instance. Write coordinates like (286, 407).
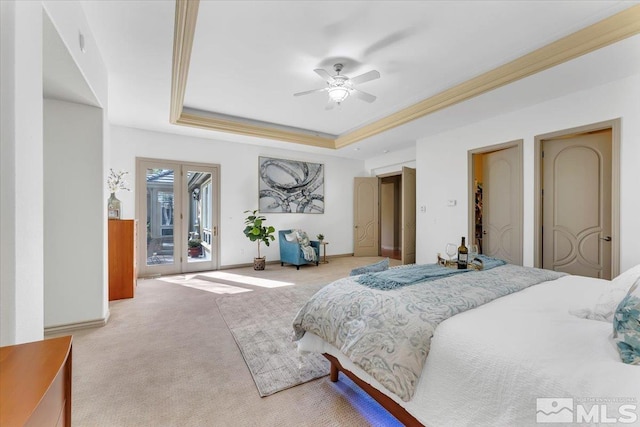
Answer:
(387, 403)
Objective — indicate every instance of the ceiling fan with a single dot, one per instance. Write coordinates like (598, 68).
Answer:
(340, 86)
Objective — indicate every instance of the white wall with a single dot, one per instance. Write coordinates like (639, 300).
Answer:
(21, 188)
(443, 158)
(239, 187)
(69, 20)
(391, 162)
(21, 183)
(387, 219)
(74, 256)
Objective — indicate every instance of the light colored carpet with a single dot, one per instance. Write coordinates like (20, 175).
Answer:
(166, 358)
(261, 326)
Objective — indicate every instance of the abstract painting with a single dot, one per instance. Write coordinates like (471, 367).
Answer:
(290, 186)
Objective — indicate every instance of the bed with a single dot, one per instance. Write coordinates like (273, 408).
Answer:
(499, 363)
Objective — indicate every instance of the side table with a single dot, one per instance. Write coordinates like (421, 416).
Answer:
(324, 252)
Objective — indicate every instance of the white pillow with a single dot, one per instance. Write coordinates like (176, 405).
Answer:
(626, 279)
(608, 301)
(291, 237)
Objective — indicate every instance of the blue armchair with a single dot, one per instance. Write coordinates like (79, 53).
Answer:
(291, 253)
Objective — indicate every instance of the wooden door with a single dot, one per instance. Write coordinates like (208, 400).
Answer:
(576, 204)
(408, 186)
(365, 217)
(502, 205)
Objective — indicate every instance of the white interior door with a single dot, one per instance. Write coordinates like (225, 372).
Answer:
(408, 186)
(576, 204)
(365, 211)
(502, 205)
(177, 205)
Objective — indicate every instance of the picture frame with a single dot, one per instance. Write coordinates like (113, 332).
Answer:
(290, 186)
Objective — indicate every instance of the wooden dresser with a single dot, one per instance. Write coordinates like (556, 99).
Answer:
(35, 383)
(122, 258)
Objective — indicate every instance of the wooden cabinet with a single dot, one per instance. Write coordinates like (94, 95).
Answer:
(35, 383)
(122, 258)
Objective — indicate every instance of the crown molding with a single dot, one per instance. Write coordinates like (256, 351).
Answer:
(183, 33)
(230, 126)
(603, 33)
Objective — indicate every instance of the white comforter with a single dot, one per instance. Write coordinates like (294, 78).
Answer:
(487, 366)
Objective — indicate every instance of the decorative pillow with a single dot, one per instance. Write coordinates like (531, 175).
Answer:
(373, 268)
(606, 304)
(302, 237)
(291, 237)
(626, 326)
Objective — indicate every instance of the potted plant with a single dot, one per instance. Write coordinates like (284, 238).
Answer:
(256, 231)
(195, 248)
(320, 237)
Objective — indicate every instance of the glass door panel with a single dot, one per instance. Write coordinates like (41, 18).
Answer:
(201, 224)
(160, 212)
(178, 203)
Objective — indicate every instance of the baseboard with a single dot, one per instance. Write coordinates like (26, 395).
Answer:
(250, 264)
(338, 255)
(230, 266)
(70, 327)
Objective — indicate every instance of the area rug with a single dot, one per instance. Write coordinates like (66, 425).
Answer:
(261, 325)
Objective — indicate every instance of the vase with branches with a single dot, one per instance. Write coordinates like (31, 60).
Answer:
(115, 182)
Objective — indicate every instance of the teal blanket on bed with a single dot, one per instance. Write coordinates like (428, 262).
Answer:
(405, 276)
(388, 333)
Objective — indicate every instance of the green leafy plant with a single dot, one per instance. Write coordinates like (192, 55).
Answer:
(195, 243)
(320, 237)
(256, 231)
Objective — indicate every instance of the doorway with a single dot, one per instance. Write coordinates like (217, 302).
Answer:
(577, 206)
(390, 219)
(496, 200)
(385, 216)
(179, 202)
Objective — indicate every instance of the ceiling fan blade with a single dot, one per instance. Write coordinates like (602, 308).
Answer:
(323, 73)
(330, 105)
(368, 76)
(389, 40)
(310, 91)
(363, 95)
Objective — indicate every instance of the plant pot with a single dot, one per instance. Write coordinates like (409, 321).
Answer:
(195, 252)
(259, 263)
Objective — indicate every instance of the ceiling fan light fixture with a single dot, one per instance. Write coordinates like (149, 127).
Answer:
(340, 87)
(338, 93)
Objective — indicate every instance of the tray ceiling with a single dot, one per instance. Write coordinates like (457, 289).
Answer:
(248, 58)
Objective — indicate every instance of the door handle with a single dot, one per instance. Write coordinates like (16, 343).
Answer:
(606, 238)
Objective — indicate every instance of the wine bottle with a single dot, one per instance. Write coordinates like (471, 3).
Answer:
(463, 256)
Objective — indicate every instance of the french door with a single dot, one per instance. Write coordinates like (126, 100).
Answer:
(177, 205)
